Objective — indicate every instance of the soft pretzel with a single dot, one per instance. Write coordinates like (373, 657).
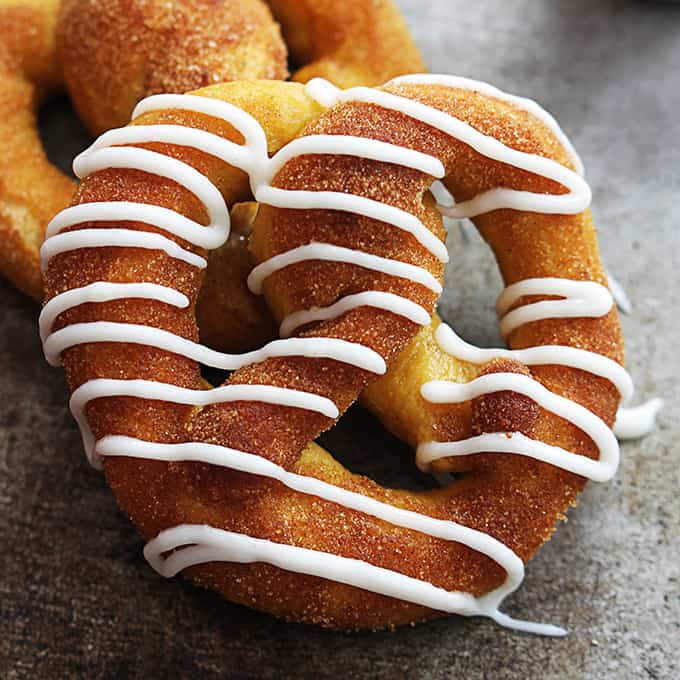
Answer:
(115, 52)
(224, 483)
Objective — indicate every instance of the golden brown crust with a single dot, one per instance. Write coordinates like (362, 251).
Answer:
(513, 498)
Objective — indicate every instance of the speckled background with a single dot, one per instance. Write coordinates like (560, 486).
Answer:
(76, 597)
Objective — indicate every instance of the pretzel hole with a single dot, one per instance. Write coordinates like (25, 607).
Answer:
(61, 132)
(361, 444)
(471, 285)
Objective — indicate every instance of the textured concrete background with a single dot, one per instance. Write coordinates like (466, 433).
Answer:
(77, 599)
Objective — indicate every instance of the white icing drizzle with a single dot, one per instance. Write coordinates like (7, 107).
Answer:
(151, 389)
(253, 134)
(198, 544)
(201, 544)
(637, 421)
(122, 238)
(373, 298)
(529, 105)
(333, 253)
(132, 158)
(362, 147)
(138, 334)
(563, 355)
(103, 291)
(579, 299)
(359, 205)
(446, 392)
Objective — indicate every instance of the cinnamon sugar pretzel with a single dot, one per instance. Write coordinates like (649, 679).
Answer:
(224, 483)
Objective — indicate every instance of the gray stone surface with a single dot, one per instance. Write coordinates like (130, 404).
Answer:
(76, 598)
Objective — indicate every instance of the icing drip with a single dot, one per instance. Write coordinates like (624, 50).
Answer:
(619, 293)
(191, 544)
(637, 421)
(579, 299)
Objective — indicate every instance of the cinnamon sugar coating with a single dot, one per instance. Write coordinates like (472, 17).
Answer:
(156, 47)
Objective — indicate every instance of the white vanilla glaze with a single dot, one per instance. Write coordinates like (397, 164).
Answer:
(619, 294)
(137, 334)
(578, 299)
(103, 291)
(333, 253)
(123, 238)
(445, 392)
(150, 389)
(637, 421)
(335, 200)
(528, 105)
(563, 355)
(224, 546)
(198, 544)
(377, 299)
(593, 300)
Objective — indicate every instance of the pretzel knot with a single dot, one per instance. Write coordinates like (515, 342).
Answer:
(224, 483)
